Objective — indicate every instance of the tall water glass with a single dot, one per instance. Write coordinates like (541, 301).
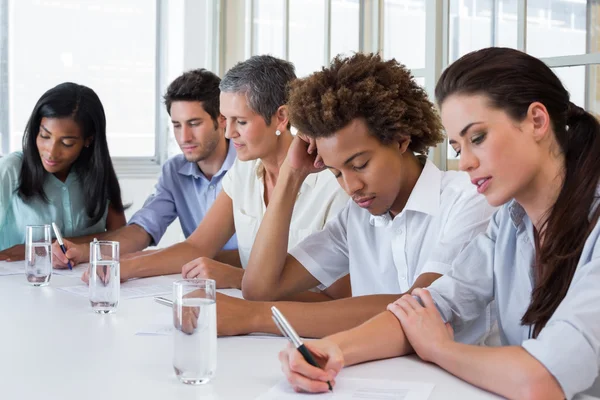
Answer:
(105, 276)
(38, 254)
(195, 335)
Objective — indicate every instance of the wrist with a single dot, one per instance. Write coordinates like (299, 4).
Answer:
(260, 318)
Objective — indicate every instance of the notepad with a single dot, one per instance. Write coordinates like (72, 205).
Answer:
(365, 389)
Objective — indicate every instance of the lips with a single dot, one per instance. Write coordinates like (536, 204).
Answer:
(188, 148)
(482, 183)
(237, 145)
(50, 163)
(365, 202)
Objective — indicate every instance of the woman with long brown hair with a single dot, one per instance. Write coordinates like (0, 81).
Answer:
(527, 147)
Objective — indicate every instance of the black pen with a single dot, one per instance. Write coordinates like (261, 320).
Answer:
(289, 332)
(61, 244)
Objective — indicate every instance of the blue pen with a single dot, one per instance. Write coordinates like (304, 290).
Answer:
(60, 242)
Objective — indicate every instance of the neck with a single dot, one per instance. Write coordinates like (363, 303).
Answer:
(273, 161)
(412, 168)
(213, 163)
(540, 195)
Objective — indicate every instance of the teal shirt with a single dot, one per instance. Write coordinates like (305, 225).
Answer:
(66, 206)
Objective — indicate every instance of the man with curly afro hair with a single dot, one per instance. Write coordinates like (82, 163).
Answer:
(372, 126)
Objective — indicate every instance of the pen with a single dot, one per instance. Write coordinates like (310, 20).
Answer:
(163, 301)
(62, 245)
(289, 332)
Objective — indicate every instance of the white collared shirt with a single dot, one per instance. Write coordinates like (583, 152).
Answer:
(320, 199)
(383, 256)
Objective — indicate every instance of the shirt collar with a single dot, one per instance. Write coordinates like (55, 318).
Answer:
(309, 182)
(516, 212)
(424, 198)
(192, 169)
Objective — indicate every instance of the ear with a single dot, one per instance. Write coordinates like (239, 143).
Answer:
(403, 143)
(538, 117)
(222, 121)
(282, 118)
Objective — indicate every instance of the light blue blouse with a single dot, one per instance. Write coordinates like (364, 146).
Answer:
(66, 206)
(498, 265)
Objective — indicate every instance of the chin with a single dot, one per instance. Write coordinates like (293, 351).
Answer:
(497, 200)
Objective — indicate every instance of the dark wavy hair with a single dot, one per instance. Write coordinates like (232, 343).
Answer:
(384, 93)
(93, 166)
(196, 85)
(511, 80)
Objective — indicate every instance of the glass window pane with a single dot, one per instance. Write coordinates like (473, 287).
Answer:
(573, 78)
(267, 28)
(344, 27)
(108, 45)
(404, 32)
(307, 35)
(558, 27)
(475, 24)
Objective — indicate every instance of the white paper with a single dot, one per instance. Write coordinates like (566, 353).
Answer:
(12, 268)
(363, 389)
(76, 272)
(129, 290)
(156, 330)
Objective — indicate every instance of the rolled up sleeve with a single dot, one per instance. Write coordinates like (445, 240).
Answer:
(158, 212)
(569, 345)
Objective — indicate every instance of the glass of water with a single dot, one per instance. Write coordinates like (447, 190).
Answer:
(38, 254)
(105, 276)
(195, 335)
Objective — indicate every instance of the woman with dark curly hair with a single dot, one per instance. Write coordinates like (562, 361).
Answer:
(528, 148)
(372, 126)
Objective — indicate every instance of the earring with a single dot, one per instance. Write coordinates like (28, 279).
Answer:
(278, 132)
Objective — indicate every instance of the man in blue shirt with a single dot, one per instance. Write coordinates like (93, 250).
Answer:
(189, 182)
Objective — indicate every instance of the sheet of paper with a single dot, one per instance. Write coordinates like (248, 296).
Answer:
(364, 389)
(156, 330)
(76, 272)
(12, 268)
(129, 290)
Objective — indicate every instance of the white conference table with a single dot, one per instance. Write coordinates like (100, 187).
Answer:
(52, 346)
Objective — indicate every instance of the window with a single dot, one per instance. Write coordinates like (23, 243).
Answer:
(562, 33)
(306, 32)
(108, 45)
(404, 32)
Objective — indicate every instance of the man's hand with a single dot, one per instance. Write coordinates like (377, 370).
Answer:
(76, 253)
(15, 253)
(226, 276)
(302, 156)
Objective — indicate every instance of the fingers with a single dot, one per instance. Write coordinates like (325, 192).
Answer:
(425, 297)
(86, 276)
(292, 365)
(312, 146)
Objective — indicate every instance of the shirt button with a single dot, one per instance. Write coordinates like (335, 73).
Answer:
(64, 189)
(211, 186)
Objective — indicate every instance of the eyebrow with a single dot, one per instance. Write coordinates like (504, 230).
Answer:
(64, 137)
(349, 160)
(464, 130)
(189, 120)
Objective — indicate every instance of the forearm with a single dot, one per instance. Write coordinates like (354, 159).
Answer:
(131, 238)
(269, 250)
(319, 319)
(231, 257)
(378, 338)
(509, 371)
(164, 262)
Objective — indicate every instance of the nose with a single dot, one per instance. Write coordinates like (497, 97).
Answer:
(54, 150)
(229, 131)
(186, 134)
(352, 184)
(468, 161)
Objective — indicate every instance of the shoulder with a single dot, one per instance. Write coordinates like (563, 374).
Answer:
(324, 182)
(173, 164)
(10, 166)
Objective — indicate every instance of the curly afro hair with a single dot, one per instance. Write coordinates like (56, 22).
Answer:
(384, 93)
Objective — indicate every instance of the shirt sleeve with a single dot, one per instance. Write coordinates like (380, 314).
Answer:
(227, 182)
(159, 209)
(464, 292)
(569, 344)
(325, 253)
(10, 168)
(469, 216)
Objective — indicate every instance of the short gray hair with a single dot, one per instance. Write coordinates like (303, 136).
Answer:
(264, 80)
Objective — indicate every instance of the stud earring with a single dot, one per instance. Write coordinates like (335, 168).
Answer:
(278, 132)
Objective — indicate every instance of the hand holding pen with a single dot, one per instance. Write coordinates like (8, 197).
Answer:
(299, 364)
(59, 239)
